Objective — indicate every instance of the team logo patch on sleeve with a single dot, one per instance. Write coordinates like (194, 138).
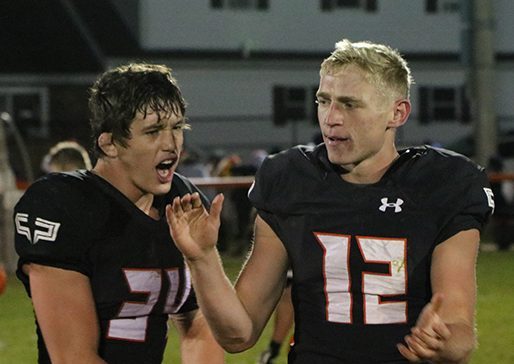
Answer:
(490, 198)
(43, 229)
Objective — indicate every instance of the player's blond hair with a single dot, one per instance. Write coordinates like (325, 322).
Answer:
(383, 66)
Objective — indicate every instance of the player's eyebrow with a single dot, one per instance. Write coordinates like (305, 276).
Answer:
(356, 102)
(160, 124)
(340, 99)
(323, 95)
(154, 126)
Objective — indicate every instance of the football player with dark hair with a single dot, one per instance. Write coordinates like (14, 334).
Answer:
(382, 241)
(95, 251)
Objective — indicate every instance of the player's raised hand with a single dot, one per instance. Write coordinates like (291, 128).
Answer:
(428, 338)
(193, 228)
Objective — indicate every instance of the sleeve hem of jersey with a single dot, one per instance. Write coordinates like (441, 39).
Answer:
(59, 266)
(458, 229)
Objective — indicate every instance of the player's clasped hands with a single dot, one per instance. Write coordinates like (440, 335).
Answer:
(193, 228)
(428, 338)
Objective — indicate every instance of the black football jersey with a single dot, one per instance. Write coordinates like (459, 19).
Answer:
(78, 221)
(361, 253)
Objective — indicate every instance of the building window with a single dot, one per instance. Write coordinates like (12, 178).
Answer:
(29, 109)
(240, 4)
(330, 5)
(294, 103)
(442, 6)
(443, 104)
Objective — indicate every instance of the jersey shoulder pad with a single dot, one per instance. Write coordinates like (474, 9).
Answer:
(456, 185)
(55, 220)
(282, 177)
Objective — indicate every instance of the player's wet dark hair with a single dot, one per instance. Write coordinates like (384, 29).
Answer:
(119, 94)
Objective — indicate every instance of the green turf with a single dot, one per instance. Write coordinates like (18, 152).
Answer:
(495, 274)
(495, 318)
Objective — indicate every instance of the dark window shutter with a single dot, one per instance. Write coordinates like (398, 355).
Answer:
(431, 6)
(465, 112)
(371, 5)
(326, 5)
(263, 4)
(295, 107)
(279, 117)
(423, 111)
(216, 4)
(348, 3)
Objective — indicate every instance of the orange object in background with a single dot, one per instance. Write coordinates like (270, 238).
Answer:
(3, 279)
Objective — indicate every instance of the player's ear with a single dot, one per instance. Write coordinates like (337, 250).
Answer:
(107, 145)
(401, 112)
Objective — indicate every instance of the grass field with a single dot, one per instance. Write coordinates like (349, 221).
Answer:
(495, 318)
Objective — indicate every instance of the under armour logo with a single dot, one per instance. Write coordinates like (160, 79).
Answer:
(386, 204)
(48, 232)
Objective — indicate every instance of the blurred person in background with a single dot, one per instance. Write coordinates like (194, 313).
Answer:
(95, 253)
(382, 241)
(66, 156)
(503, 218)
(244, 212)
(192, 165)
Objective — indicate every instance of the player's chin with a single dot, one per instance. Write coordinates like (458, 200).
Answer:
(338, 159)
(160, 188)
(164, 188)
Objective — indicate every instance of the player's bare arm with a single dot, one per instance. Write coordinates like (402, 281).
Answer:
(65, 310)
(444, 332)
(197, 344)
(263, 277)
(236, 318)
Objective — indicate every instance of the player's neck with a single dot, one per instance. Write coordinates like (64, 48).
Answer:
(145, 204)
(110, 173)
(372, 169)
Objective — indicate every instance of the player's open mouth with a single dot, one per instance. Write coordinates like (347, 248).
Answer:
(335, 140)
(164, 169)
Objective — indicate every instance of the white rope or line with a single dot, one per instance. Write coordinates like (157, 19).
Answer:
(223, 182)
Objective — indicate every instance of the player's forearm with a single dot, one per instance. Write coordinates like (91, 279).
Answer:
(226, 315)
(460, 345)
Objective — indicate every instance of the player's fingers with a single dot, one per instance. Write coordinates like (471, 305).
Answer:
(409, 355)
(177, 207)
(431, 341)
(196, 201)
(442, 330)
(430, 313)
(418, 347)
(185, 202)
(170, 213)
(216, 206)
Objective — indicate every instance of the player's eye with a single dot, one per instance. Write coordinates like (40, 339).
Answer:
(321, 102)
(181, 126)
